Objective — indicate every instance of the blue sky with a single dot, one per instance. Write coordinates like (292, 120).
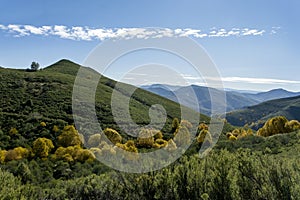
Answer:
(263, 55)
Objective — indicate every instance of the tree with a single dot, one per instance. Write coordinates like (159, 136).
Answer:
(128, 146)
(232, 137)
(159, 143)
(34, 66)
(239, 133)
(55, 129)
(42, 147)
(158, 135)
(201, 127)
(13, 132)
(83, 155)
(293, 125)
(74, 153)
(65, 153)
(17, 153)
(204, 135)
(2, 156)
(69, 137)
(96, 151)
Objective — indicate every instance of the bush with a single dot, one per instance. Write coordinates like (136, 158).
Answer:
(278, 125)
(145, 139)
(69, 137)
(42, 147)
(113, 135)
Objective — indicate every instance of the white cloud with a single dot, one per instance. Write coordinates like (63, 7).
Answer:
(79, 32)
(188, 32)
(100, 34)
(37, 30)
(275, 29)
(20, 31)
(88, 33)
(190, 77)
(3, 27)
(137, 74)
(233, 33)
(62, 31)
(248, 80)
(254, 32)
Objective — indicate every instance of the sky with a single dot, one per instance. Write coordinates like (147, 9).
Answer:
(254, 44)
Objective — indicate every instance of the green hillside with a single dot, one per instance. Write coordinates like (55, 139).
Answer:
(28, 98)
(255, 116)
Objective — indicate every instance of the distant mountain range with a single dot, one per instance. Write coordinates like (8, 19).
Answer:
(235, 99)
(241, 91)
(272, 94)
(256, 115)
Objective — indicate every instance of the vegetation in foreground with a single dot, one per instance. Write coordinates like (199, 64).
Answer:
(251, 166)
(243, 174)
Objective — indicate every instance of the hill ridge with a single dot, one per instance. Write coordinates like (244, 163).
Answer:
(256, 115)
(31, 97)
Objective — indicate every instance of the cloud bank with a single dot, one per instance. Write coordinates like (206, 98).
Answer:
(89, 34)
(258, 80)
(248, 80)
(234, 79)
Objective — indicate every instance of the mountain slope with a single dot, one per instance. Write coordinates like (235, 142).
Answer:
(234, 100)
(28, 98)
(258, 114)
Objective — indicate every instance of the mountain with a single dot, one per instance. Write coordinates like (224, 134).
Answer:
(162, 90)
(160, 86)
(28, 98)
(241, 91)
(272, 94)
(256, 115)
(235, 99)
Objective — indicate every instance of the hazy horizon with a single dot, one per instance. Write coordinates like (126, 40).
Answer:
(130, 80)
